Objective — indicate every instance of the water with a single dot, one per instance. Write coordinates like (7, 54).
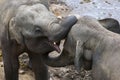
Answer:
(96, 8)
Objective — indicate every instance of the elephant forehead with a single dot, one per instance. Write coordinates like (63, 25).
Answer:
(35, 7)
(34, 14)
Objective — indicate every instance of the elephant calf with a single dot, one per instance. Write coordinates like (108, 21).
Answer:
(89, 43)
(28, 26)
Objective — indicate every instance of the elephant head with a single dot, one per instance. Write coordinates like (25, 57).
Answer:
(37, 28)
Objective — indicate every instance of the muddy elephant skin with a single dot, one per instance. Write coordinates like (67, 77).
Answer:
(28, 26)
(89, 42)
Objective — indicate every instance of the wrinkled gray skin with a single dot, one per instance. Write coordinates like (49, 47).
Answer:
(89, 44)
(28, 26)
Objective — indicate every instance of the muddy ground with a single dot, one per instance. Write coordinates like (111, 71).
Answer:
(96, 8)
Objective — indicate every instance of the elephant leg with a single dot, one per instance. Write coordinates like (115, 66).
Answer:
(87, 59)
(38, 66)
(11, 67)
(87, 64)
(11, 63)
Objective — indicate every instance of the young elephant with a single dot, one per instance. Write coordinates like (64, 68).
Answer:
(28, 26)
(88, 40)
(109, 23)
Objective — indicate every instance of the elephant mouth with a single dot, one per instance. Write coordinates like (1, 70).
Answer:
(54, 46)
(42, 40)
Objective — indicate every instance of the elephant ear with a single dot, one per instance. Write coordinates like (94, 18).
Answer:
(15, 31)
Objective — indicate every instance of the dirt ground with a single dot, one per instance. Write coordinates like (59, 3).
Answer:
(63, 73)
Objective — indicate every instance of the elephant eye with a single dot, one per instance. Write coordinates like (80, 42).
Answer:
(38, 29)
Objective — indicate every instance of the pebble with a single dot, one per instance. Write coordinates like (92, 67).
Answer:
(21, 72)
(1, 64)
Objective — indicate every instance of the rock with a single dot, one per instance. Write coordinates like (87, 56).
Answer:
(1, 64)
(21, 72)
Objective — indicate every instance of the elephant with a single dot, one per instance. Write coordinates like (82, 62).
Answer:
(91, 46)
(28, 26)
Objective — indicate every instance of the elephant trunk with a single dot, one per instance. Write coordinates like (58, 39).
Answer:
(60, 31)
(62, 60)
